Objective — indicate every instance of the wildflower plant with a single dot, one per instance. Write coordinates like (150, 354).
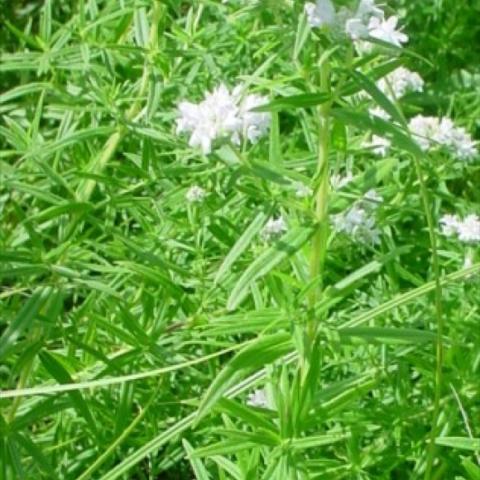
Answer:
(237, 241)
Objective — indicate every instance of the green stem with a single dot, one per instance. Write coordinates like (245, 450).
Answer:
(319, 240)
(440, 320)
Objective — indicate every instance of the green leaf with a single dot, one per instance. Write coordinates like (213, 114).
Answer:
(261, 352)
(201, 473)
(231, 468)
(24, 319)
(303, 100)
(375, 73)
(301, 36)
(339, 137)
(271, 173)
(56, 211)
(140, 22)
(275, 150)
(53, 364)
(461, 443)
(282, 249)
(316, 441)
(241, 411)
(353, 278)
(385, 335)
(378, 96)
(240, 246)
(36, 453)
(472, 470)
(226, 447)
(23, 90)
(46, 21)
(378, 126)
(247, 322)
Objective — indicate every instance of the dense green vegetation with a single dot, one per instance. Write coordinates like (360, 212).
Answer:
(152, 331)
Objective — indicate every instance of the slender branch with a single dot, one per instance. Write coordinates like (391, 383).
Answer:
(439, 318)
(319, 240)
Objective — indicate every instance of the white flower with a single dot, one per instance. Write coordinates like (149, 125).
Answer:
(469, 229)
(432, 132)
(462, 144)
(449, 224)
(274, 227)
(215, 117)
(358, 224)
(320, 14)
(425, 129)
(400, 82)
(302, 190)
(222, 115)
(338, 181)
(367, 9)
(257, 399)
(386, 30)
(363, 47)
(195, 194)
(254, 124)
(456, 139)
(379, 145)
(357, 27)
(358, 221)
(379, 112)
(372, 199)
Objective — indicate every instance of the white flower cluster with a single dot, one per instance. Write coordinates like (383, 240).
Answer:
(320, 14)
(367, 21)
(434, 132)
(359, 222)
(467, 230)
(338, 181)
(399, 82)
(273, 228)
(378, 145)
(302, 190)
(195, 194)
(257, 399)
(222, 114)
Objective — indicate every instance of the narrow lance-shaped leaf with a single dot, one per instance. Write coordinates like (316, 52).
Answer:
(201, 473)
(462, 443)
(378, 96)
(303, 100)
(261, 352)
(375, 73)
(286, 246)
(141, 26)
(23, 320)
(55, 368)
(387, 335)
(378, 126)
(240, 246)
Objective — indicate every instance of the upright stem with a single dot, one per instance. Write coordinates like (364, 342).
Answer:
(440, 321)
(319, 240)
